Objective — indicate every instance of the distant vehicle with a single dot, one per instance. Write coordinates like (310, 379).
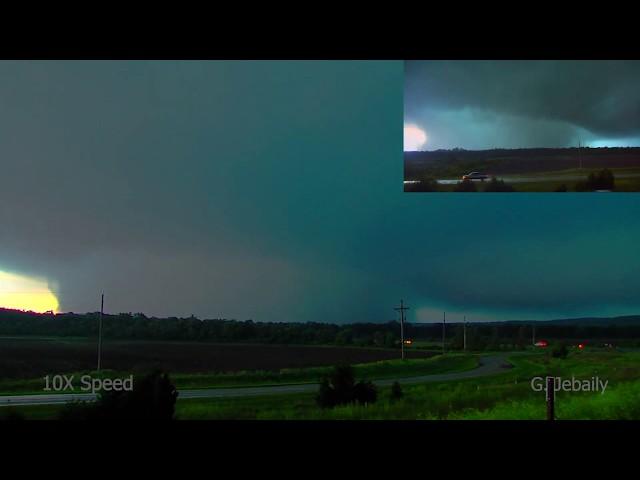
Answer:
(541, 343)
(475, 176)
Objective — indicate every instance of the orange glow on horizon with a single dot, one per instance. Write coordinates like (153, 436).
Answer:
(18, 292)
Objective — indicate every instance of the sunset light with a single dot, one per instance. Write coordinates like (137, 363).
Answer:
(24, 293)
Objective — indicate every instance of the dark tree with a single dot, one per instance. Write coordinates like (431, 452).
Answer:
(390, 340)
(457, 342)
(326, 397)
(378, 338)
(495, 185)
(494, 340)
(521, 339)
(344, 337)
(396, 391)
(606, 180)
(559, 350)
(153, 398)
(365, 393)
(339, 388)
(603, 180)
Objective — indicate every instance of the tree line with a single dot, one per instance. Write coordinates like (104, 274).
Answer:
(480, 336)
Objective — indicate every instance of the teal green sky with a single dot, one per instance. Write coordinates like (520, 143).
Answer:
(273, 191)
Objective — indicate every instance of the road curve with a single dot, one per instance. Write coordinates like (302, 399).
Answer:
(489, 365)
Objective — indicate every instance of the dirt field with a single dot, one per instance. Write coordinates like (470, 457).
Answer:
(30, 358)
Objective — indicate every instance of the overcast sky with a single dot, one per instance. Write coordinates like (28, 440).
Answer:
(273, 191)
(514, 104)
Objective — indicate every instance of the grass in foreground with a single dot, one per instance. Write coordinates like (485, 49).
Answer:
(627, 179)
(507, 396)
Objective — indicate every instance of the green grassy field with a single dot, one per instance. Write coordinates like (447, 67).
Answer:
(623, 180)
(505, 396)
(371, 370)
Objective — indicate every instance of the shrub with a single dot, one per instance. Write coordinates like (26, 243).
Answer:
(326, 395)
(339, 388)
(559, 350)
(396, 391)
(603, 180)
(495, 185)
(153, 398)
(365, 392)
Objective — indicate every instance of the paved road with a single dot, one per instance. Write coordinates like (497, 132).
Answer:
(489, 365)
(535, 178)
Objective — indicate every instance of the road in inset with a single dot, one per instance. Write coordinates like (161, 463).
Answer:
(538, 178)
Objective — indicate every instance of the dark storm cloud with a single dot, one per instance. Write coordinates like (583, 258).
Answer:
(189, 187)
(535, 103)
(272, 191)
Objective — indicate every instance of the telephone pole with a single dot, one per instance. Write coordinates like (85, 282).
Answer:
(401, 309)
(464, 334)
(533, 335)
(100, 331)
(444, 325)
(579, 154)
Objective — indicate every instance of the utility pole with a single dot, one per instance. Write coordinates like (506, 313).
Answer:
(579, 154)
(551, 397)
(401, 309)
(100, 331)
(533, 335)
(464, 334)
(444, 324)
